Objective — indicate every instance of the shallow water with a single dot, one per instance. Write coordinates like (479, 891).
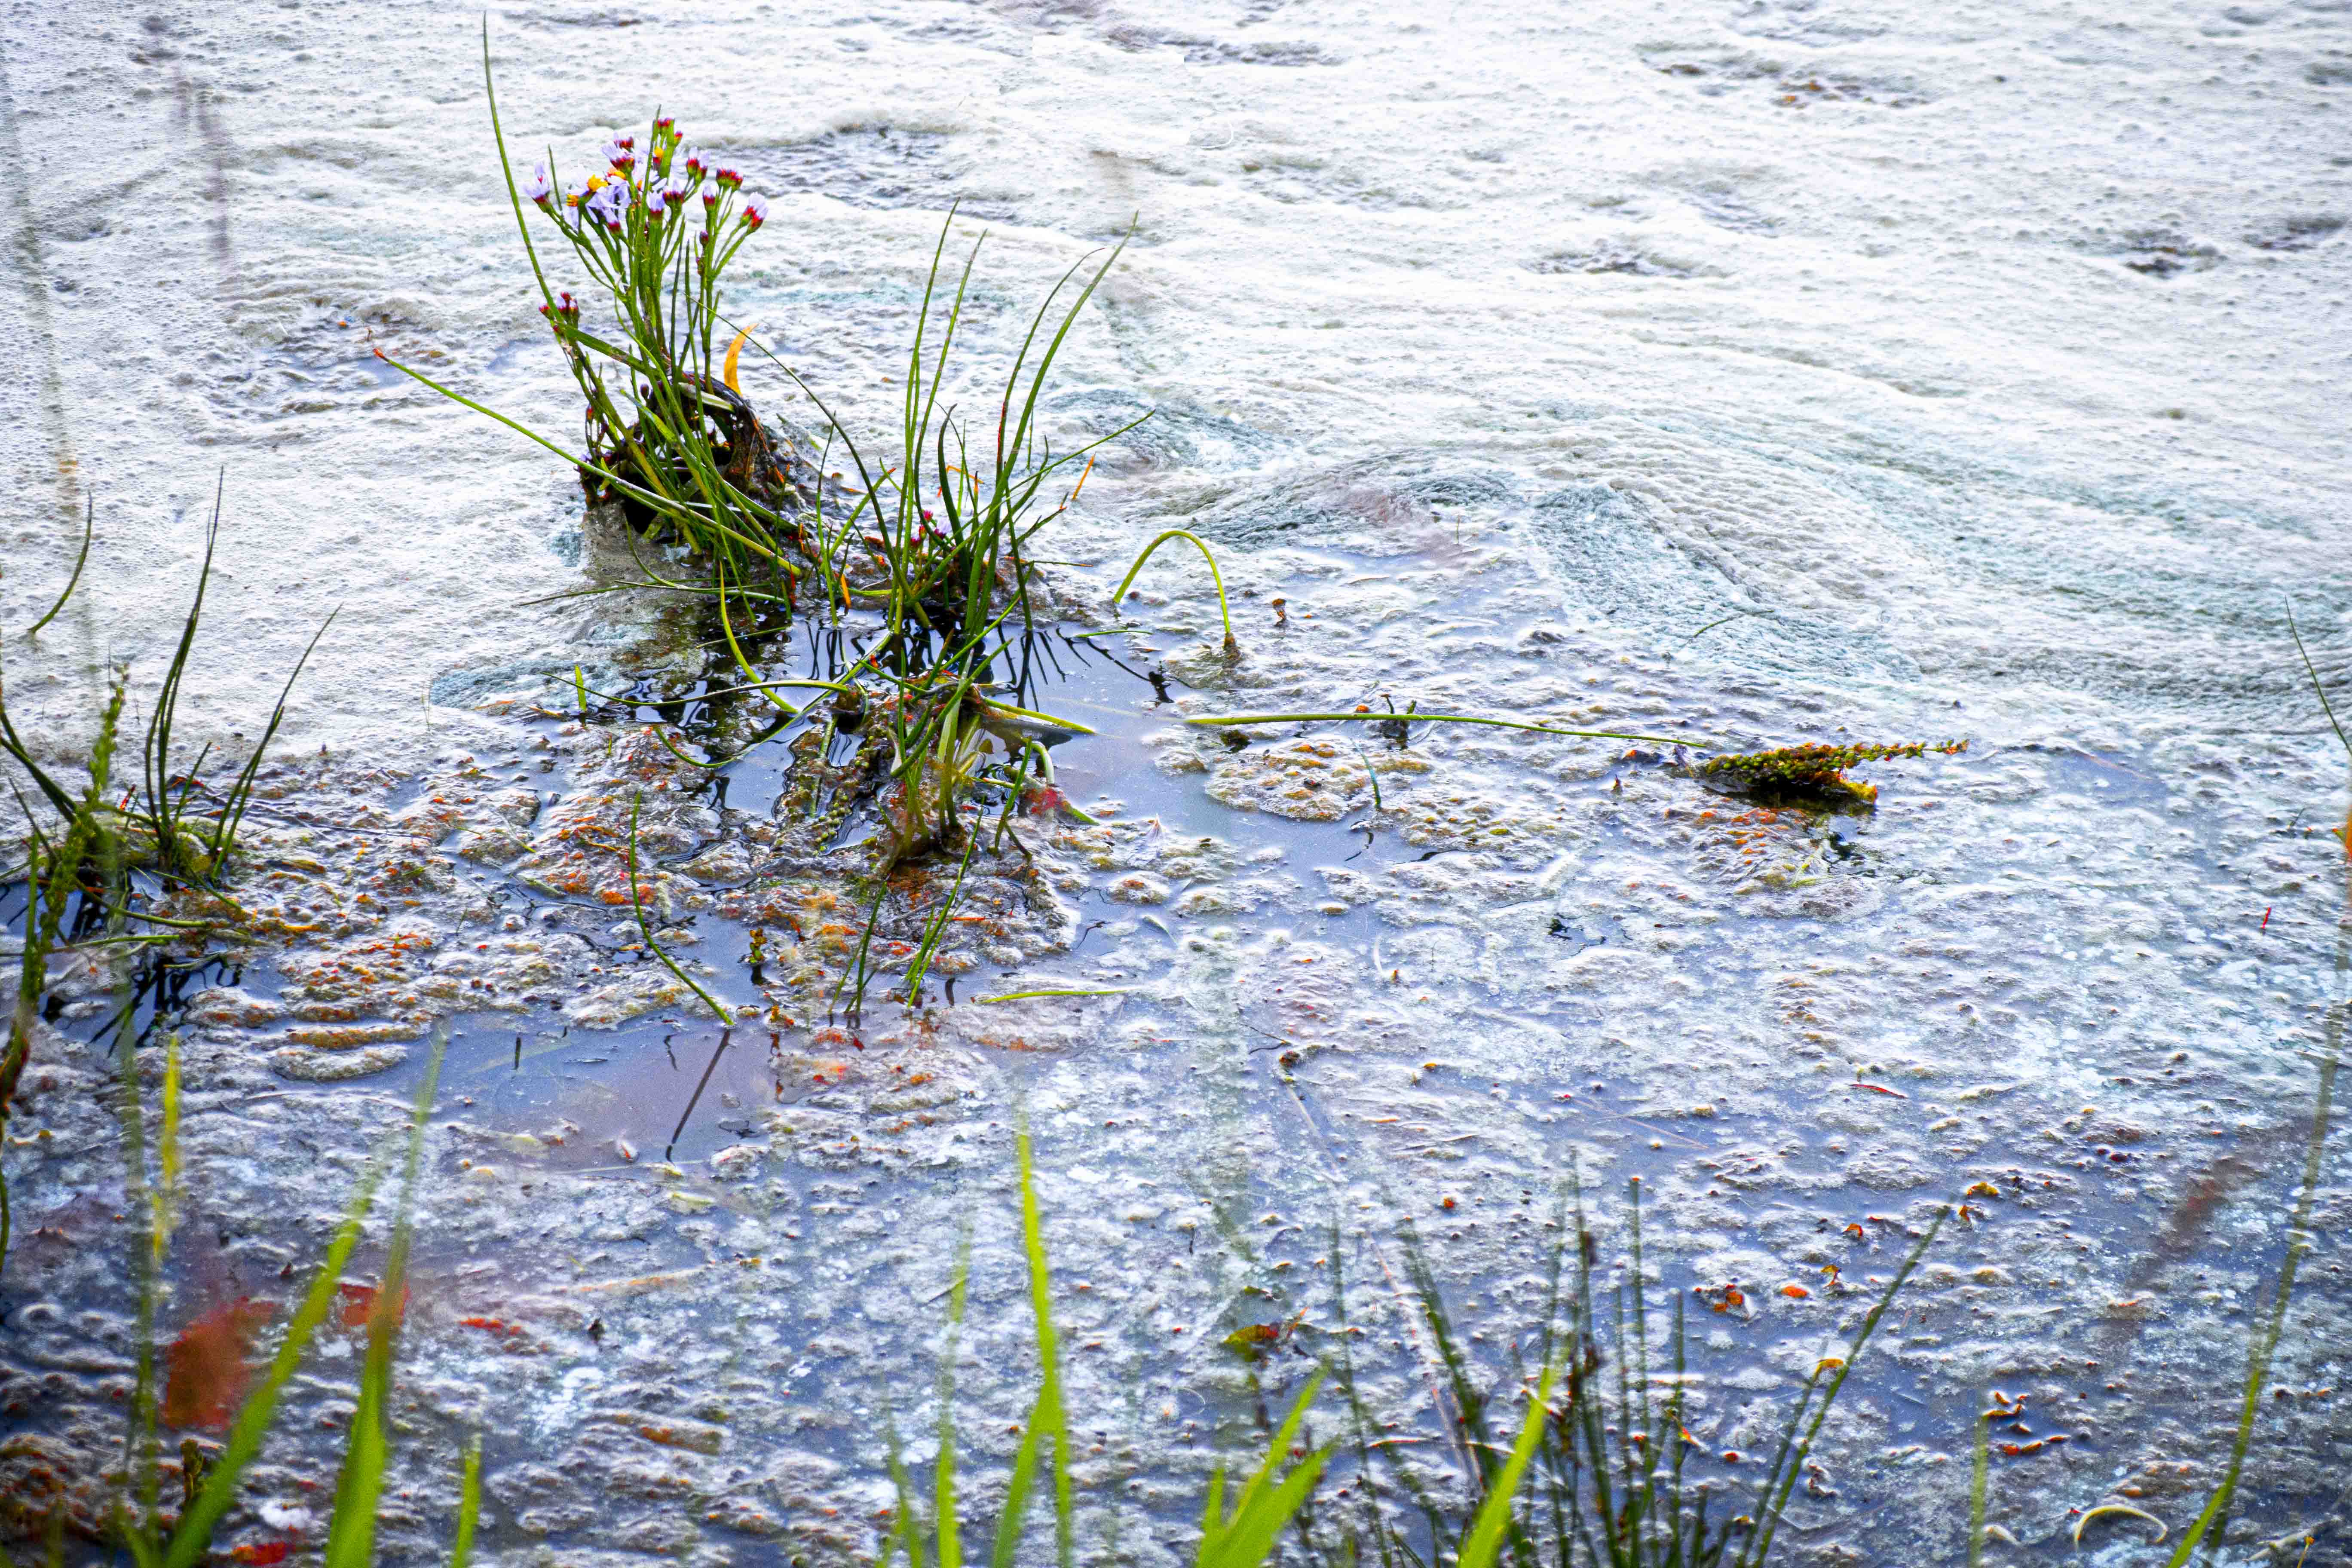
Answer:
(1762, 372)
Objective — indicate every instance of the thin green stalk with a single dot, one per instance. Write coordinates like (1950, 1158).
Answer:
(1046, 1423)
(1977, 1483)
(637, 907)
(138, 1522)
(936, 927)
(88, 521)
(2318, 689)
(1243, 1536)
(1759, 1545)
(1494, 1517)
(2264, 1342)
(1226, 720)
(470, 1504)
(192, 1541)
(161, 806)
(351, 1533)
(240, 793)
(1070, 990)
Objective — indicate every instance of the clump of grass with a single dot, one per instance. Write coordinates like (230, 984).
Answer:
(104, 862)
(1596, 1473)
(1813, 772)
(171, 824)
(934, 545)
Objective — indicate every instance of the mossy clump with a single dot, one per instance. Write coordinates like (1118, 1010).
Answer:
(1812, 774)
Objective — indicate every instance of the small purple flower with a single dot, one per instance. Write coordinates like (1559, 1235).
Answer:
(695, 161)
(656, 202)
(617, 153)
(607, 204)
(539, 188)
(755, 210)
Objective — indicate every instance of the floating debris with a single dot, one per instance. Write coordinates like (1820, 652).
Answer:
(1813, 774)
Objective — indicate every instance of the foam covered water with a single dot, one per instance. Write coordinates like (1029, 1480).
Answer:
(1773, 369)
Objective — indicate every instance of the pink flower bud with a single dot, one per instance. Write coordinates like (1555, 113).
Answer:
(755, 210)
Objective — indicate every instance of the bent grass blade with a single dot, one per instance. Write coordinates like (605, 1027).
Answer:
(1232, 649)
(1227, 719)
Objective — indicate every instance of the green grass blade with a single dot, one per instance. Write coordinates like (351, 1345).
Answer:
(637, 907)
(1495, 1516)
(1248, 1540)
(240, 793)
(1769, 1522)
(1977, 1483)
(351, 1533)
(943, 1469)
(1046, 1422)
(2265, 1340)
(88, 521)
(470, 1504)
(1243, 1538)
(506, 168)
(2318, 689)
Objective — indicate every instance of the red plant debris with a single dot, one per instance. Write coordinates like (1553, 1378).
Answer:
(206, 1371)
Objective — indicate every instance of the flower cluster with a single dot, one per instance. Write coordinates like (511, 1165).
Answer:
(639, 197)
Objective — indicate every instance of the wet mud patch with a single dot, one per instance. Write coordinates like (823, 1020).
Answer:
(1809, 23)
(320, 361)
(1173, 439)
(2302, 231)
(1716, 71)
(1629, 256)
(1210, 51)
(873, 166)
(2157, 251)
(1723, 204)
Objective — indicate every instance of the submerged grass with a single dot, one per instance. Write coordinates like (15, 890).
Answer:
(1593, 1476)
(1239, 1533)
(157, 1540)
(112, 858)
